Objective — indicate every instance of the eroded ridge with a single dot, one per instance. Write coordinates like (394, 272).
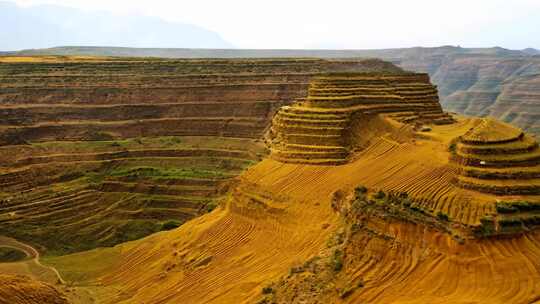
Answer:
(318, 129)
(497, 158)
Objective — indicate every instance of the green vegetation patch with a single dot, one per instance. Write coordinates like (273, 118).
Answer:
(517, 206)
(168, 142)
(167, 173)
(170, 225)
(8, 255)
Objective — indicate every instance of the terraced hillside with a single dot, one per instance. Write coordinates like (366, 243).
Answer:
(497, 158)
(320, 129)
(474, 81)
(387, 227)
(391, 224)
(98, 151)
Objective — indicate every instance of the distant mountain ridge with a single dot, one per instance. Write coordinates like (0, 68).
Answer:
(531, 51)
(476, 81)
(388, 54)
(46, 26)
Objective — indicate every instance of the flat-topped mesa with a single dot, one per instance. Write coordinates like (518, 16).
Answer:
(317, 129)
(497, 158)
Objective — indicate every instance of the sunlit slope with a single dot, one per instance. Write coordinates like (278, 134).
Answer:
(280, 215)
(22, 290)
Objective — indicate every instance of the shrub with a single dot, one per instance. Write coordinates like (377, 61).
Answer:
(442, 216)
(417, 208)
(403, 195)
(506, 208)
(355, 228)
(169, 225)
(510, 222)
(525, 206)
(486, 228)
(210, 206)
(267, 290)
(406, 203)
(452, 148)
(11, 255)
(360, 191)
(356, 206)
(379, 195)
(296, 269)
(337, 260)
(346, 293)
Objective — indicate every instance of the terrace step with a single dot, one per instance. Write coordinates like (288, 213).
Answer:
(311, 139)
(491, 131)
(309, 155)
(303, 129)
(501, 187)
(499, 160)
(323, 162)
(315, 148)
(527, 144)
(311, 122)
(532, 172)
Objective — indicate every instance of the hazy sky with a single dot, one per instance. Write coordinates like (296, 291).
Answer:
(352, 24)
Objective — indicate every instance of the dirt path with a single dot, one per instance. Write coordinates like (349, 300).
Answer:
(33, 258)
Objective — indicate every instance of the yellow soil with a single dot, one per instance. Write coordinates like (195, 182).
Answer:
(280, 215)
(491, 130)
(23, 290)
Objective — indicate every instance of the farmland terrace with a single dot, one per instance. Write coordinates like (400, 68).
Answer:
(370, 192)
(98, 151)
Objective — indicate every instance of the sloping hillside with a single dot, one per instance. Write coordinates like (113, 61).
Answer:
(99, 151)
(262, 242)
(22, 290)
(392, 223)
(414, 206)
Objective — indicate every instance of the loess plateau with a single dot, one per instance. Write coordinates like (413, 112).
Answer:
(291, 181)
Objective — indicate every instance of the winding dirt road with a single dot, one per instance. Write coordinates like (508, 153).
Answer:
(32, 254)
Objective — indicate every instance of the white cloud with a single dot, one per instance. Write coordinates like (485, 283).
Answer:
(344, 23)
